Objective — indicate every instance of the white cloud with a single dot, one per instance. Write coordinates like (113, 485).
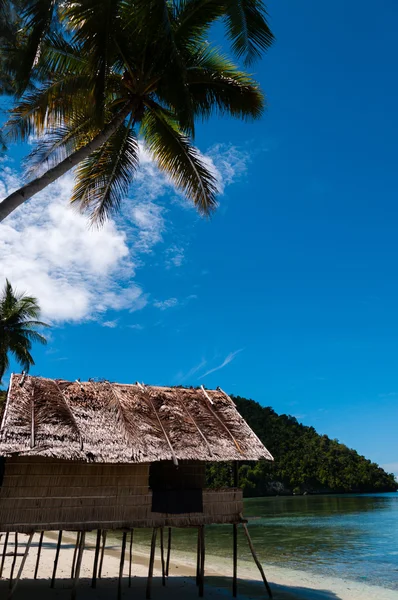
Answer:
(77, 272)
(225, 362)
(174, 256)
(165, 304)
(136, 326)
(110, 324)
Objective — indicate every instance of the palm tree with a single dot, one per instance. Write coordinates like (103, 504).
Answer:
(19, 316)
(115, 71)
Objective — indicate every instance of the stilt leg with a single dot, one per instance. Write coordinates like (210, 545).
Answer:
(56, 559)
(119, 589)
(78, 564)
(38, 554)
(131, 554)
(202, 562)
(260, 568)
(102, 554)
(96, 557)
(4, 554)
(72, 574)
(235, 559)
(162, 557)
(25, 556)
(151, 561)
(168, 552)
(14, 560)
(198, 558)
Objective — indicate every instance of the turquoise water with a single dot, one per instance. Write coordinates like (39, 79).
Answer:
(350, 536)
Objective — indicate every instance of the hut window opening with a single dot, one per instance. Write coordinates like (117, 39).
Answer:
(177, 490)
(2, 469)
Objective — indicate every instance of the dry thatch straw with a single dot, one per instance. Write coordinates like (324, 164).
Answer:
(106, 422)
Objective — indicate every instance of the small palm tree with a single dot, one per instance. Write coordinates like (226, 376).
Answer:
(19, 316)
(115, 71)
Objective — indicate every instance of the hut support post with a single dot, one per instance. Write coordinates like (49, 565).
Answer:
(235, 559)
(78, 564)
(4, 554)
(14, 560)
(198, 559)
(259, 566)
(72, 574)
(168, 552)
(202, 561)
(131, 554)
(25, 556)
(162, 557)
(56, 559)
(102, 554)
(96, 557)
(38, 555)
(151, 561)
(119, 587)
(235, 539)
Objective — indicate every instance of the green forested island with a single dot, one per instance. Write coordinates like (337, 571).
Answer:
(305, 462)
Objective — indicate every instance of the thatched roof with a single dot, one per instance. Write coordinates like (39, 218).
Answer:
(109, 422)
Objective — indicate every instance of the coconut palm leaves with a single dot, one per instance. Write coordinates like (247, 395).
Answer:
(19, 321)
(117, 70)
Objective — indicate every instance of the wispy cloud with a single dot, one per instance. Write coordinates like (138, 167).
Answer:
(136, 326)
(174, 256)
(110, 324)
(225, 362)
(165, 304)
(183, 377)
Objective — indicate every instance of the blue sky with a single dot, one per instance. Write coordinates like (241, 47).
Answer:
(289, 294)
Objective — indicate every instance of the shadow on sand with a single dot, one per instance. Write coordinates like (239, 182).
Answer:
(177, 588)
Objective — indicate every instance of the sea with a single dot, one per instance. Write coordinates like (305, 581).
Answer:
(345, 536)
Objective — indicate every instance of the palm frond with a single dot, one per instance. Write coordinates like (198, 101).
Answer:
(36, 17)
(94, 25)
(59, 143)
(47, 106)
(104, 177)
(193, 19)
(61, 56)
(176, 157)
(217, 85)
(247, 28)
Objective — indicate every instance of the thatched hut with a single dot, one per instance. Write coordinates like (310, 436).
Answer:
(103, 456)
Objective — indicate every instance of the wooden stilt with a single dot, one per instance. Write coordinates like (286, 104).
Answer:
(119, 588)
(202, 561)
(4, 554)
(72, 573)
(102, 554)
(259, 566)
(162, 557)
(131, 554)
(151, 561)
(38, 554)
(25, 556)
(56, 559)
(78, 564)
(235, 559)
(14, 560)
(168, 552)
(96, 557)
(198, 559)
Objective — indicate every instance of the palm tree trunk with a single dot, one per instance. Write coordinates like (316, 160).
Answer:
(9, 204)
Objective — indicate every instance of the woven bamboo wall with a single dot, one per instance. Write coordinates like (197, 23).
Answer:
(45, 494)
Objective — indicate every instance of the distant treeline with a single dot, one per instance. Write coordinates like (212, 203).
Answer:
(304, 460)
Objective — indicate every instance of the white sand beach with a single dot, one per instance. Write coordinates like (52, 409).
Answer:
(287, 584)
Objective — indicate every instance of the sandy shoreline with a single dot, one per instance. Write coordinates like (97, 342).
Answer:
(287, 584)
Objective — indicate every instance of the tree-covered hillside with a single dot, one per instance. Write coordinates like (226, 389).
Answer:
(304, 460)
